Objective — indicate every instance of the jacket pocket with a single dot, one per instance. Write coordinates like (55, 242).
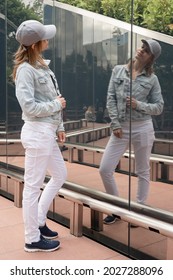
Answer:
(144, 88)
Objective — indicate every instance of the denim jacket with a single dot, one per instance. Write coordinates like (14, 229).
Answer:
(145, 89)
(36, 92)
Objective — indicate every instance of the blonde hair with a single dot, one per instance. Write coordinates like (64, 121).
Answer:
(31, 54)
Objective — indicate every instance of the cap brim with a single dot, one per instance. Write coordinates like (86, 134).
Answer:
(144, 41)
(50, 31)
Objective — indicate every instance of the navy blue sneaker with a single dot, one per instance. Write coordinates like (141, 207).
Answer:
(110, 219)
(43, 244)
(48, 233)
(133, 225)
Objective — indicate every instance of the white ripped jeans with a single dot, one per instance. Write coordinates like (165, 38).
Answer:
(42, 154)
(142, 140)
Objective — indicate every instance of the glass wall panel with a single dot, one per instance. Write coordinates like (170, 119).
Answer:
(15, 152)
(86, 51)
(3, 113)
(87, 48)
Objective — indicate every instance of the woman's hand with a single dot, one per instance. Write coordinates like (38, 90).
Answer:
(118, 132)
(133, 102)
(61, 136)
(62, 101)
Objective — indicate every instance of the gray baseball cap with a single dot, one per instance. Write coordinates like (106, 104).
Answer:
(31, 31)
(154, 46)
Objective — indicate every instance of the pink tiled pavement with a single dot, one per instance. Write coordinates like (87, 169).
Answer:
(72, 248)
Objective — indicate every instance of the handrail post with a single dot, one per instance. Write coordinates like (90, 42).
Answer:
(96, 220)
(80, 155)
(76, 219)
(18, 191)
(154, 171)
(169, 252)
(70, 151)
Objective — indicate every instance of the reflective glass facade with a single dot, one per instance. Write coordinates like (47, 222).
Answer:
(86, 48)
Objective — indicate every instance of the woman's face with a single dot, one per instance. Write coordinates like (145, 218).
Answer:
(144, 54)
(40, 46)
(44, 45)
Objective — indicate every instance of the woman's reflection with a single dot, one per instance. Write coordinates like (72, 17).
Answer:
(134, 94)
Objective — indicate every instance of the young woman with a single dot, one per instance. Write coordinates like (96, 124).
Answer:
(41, 103)
(146, 100)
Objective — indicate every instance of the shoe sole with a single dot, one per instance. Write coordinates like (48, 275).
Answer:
(133, 226)
(32, 250)
(50, 237)
(114, 221)
(109, 222)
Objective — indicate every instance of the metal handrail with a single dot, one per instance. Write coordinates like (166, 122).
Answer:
(155, 220)
(142, 209)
